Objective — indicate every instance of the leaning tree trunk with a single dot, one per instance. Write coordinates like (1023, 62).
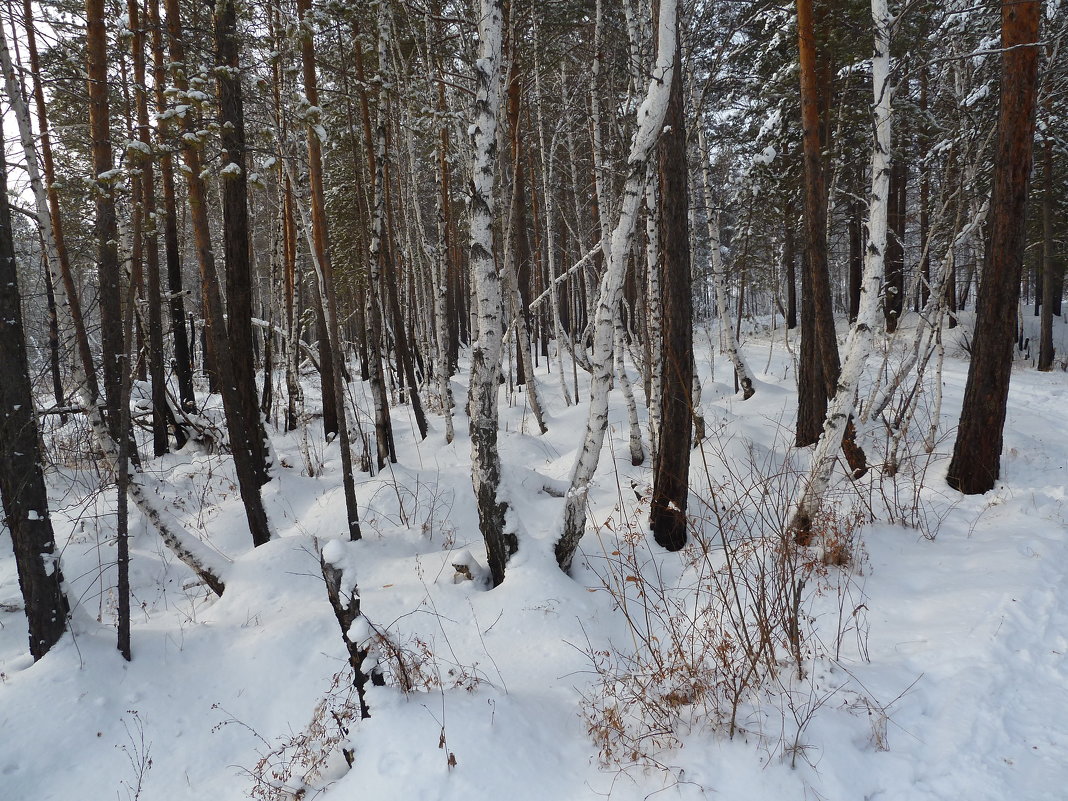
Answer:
(651, 115)
(501, 542)
(22, 485)
(859, 345)
(976, 462)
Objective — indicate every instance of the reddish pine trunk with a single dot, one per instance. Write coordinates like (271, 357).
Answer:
(976, 463)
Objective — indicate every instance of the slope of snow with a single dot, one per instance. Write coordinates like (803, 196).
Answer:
(936, 666)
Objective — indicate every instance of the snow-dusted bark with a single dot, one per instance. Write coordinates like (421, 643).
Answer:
(654, 319)
(719, 278)
(637, 451)
(486, 350)
(522, 336)
(650, 120)
(859, 344)
(440, 288)
(142, 489)
(931, 316)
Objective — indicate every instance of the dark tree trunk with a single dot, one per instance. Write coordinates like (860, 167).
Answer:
(671, 472)
(252, 444)
(894, 298)
(925, 199)
(183, 361)
(53, 344)
(789, 255)
(248, 478)
(817, 317)
(811, 390)
(856, 253)
(816, 85)
(1049, 282)
(22, 486)
(161, 413)
(106, 226)
(976, 462)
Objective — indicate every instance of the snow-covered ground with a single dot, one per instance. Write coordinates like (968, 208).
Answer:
(934, 664)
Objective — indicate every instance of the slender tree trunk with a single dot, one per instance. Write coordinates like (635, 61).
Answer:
(650, 123)
(856, 255)
(376, 146)
(253, 438)
(789, 256)
(22, 485)
(818, 367)
(327, 355)
(976, 462)
(183, 357)
(106, 230)
(53, 344)
(1049, 282)
(894, 301)
(160, 409)
(925, 196)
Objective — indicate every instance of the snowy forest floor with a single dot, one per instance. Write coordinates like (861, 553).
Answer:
(933, 665)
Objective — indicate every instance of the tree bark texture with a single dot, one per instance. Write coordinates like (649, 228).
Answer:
(236, 253)
(976, 462)
(671, 473)
(106, 230)
(22, 486)
(501, 542)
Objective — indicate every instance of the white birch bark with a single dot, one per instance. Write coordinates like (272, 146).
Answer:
(208, 564)
(637, 450)
(650, 121)
(486, 349)
(719, 279)
(859, 344)
(440, 290)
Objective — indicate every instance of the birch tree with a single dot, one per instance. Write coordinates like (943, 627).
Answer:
(501, 542)
(859, 344)
(651, 115)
